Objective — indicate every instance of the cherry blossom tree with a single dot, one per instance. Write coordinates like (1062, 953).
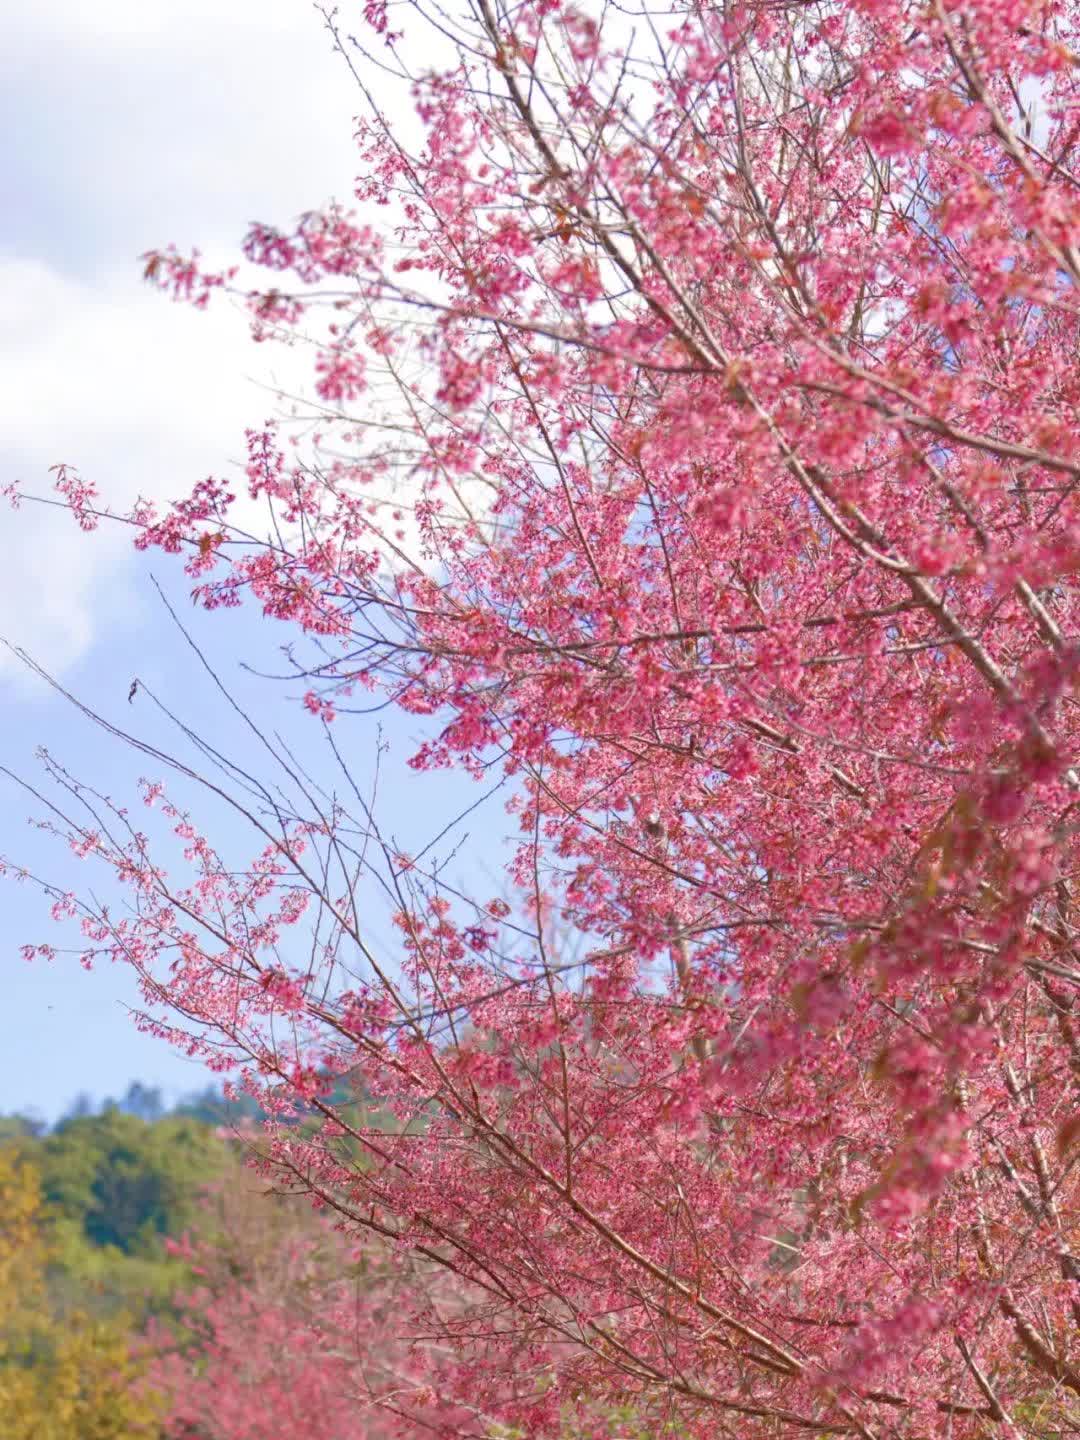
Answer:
(694, 445)
(287, 1333)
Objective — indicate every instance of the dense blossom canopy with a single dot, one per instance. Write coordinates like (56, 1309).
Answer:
(283, 1335)
(696, 445)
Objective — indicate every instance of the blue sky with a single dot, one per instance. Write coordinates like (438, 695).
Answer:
(126, 125)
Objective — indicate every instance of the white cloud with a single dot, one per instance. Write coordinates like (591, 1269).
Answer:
(85, 365)
(131, 124)
(141, 396)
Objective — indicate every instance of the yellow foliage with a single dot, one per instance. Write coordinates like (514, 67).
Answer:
(65, 1377)
(21, 1246)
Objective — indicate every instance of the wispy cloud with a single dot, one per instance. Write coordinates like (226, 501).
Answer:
(130, 125)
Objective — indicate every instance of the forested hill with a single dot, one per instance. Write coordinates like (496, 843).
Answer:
(121, 1175)
(85, 1209)
(94, 1288)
